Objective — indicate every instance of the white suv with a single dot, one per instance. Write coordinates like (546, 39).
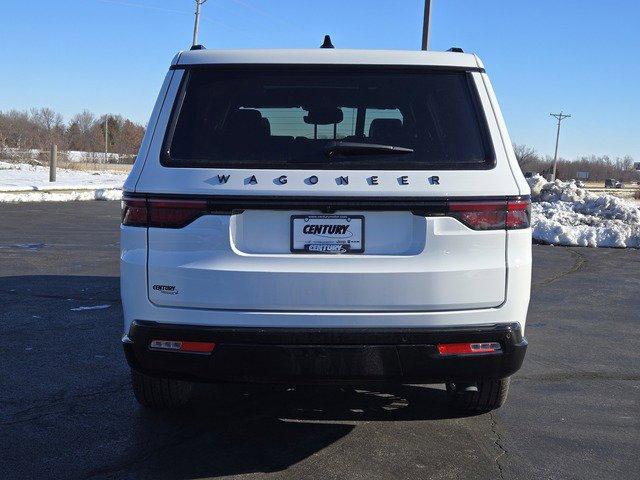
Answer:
(325, 216)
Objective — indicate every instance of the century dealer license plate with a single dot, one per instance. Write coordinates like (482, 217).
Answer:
(327, 233)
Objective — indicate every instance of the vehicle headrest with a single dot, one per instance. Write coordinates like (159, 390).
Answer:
(385, 128)
(266, 125)
(249, 122)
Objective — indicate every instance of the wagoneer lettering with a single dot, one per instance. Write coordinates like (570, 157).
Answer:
(341, 180)
(359, 207)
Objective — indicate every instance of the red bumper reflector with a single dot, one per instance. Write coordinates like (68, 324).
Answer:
(180, 346)
(468, 348)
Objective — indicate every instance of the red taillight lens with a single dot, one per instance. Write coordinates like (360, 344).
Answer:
(480, 215)
(174, 213)
(492, 215)
(468, 348)
(134, 212)
(518, 214)
(180, 346)
(163, 213)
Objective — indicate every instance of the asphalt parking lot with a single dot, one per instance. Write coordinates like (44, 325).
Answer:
(66, 410)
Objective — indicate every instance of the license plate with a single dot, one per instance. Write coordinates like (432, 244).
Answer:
(330, 234)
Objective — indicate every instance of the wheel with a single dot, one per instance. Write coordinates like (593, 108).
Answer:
(488, 395)
(160, 393)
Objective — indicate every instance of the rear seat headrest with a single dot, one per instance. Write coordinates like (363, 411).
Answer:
(385, 128)
(266, 125)
(248, 121)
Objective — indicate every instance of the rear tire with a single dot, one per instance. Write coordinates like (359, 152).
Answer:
(491, 394)
(160, 393)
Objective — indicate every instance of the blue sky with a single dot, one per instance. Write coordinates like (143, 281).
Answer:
(543, 56)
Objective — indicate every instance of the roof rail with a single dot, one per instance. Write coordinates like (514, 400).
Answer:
(456, 50)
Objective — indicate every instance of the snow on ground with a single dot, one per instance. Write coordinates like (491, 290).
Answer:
(563, 214)
(62, 196)
(21, 182)
(93, 307)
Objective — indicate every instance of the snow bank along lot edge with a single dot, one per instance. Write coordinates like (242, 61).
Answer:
(21, 182)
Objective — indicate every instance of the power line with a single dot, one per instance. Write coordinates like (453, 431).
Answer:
(560, 116)
(138, 5)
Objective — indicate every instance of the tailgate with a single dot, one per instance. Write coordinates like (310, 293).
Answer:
(244, 261)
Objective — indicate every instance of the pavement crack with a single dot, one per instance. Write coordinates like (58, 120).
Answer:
(498, 443)
(578, 264)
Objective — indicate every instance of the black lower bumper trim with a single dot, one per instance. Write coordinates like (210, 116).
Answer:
(288, 355)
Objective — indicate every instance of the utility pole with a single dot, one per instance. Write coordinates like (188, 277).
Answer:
(425, 24)
(560, 116)
(196, 25)
(106, 139)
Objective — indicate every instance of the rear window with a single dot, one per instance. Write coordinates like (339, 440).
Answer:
(292, 117)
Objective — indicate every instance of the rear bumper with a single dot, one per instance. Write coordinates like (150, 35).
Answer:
(345, 355)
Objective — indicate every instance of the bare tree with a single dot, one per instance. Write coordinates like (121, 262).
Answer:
(15, 129)
(529, 160)
(40, 127)
(50, 127)
(524, 153)
(79, 131)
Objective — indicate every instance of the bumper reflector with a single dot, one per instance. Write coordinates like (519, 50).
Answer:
(468, 348)
(180, 346)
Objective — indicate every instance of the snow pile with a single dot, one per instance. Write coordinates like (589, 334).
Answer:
(564, 214)
(21, 182)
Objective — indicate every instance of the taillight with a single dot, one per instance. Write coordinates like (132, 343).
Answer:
(134, 212)
(492, 215)
(174, 213)
(480, 215)
(518, 214)
(161, 212)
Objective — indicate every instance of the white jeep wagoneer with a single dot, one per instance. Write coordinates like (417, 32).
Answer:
(325, 216)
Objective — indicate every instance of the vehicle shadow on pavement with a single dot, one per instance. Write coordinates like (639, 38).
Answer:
(78, 395)
(240, 429)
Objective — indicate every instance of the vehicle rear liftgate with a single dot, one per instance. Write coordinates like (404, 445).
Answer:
(421, 255)
(325, 216)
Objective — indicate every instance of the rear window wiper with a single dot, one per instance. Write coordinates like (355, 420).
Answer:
(356, 148)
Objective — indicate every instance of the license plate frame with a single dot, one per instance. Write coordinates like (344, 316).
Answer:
(331, 249)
